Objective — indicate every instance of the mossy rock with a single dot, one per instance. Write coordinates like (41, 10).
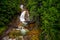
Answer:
(14, 33)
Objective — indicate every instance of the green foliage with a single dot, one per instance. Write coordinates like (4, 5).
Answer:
(8, 8)
(50, 17)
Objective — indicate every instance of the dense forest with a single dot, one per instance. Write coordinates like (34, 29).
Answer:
(47, 12)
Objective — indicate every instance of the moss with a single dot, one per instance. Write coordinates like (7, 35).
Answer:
(2, 29)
